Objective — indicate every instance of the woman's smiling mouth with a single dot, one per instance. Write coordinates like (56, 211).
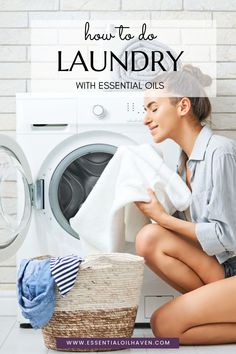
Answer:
(153, 128)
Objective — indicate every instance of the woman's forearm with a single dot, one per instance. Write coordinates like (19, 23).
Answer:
(182, 227)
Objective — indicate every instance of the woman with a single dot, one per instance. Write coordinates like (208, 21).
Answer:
(196, 255)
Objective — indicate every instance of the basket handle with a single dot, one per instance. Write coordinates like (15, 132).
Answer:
(95, 263)
(103, 262)
(97, 266)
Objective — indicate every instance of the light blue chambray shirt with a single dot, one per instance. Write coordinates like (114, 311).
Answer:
(35, 291)
(213, 181)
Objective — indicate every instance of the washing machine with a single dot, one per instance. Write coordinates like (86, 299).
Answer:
(63, 143)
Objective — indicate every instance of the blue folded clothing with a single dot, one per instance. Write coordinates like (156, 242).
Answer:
(36, 283)
(36, 293)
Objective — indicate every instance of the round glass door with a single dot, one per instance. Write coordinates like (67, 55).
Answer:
(15, 198)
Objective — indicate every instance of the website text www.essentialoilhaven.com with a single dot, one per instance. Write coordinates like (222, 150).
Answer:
(116, 343)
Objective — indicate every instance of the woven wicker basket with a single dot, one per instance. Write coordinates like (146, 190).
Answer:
(102, 303)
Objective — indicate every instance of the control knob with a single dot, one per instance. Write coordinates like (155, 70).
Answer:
(98, 111)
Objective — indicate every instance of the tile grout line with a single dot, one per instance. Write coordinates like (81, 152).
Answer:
(10, 330)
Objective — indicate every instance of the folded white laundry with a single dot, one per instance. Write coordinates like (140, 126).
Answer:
(149, 58)
(109, 216)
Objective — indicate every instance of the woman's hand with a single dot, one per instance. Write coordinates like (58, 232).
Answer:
(153, 209)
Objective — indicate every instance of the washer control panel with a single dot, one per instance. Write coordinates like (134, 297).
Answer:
(112, 108)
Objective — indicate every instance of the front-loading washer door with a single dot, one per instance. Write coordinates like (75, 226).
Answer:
(78, 162)
(15, 197)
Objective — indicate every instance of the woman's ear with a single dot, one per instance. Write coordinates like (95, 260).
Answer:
(184, 106)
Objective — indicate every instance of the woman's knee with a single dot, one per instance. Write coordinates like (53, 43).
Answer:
(159, 323)
(173, 318)
(164, 324)
(148, 238)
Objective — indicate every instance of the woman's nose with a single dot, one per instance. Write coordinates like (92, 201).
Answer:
(146, 119)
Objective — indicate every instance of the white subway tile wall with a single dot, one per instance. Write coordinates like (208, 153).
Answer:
(15, 16)
(212, 5)
(92, 5)
(151, 5)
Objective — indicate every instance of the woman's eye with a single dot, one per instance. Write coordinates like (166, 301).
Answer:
(154, 110)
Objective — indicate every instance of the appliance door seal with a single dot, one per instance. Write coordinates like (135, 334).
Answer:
(15, 197)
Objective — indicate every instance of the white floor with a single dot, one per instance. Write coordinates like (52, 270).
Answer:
(28, 341)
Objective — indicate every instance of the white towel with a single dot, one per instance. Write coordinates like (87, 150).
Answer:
(108, 217)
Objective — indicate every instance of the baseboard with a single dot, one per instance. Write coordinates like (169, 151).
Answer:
(8, 303)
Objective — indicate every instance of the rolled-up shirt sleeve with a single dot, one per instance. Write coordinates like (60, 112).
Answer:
(218, 234)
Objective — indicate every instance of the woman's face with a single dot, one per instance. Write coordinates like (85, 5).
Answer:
(161, 116)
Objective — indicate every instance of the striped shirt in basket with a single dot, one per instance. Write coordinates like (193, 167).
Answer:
(64, 271)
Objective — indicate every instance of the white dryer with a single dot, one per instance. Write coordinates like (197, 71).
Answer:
(64, 142)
